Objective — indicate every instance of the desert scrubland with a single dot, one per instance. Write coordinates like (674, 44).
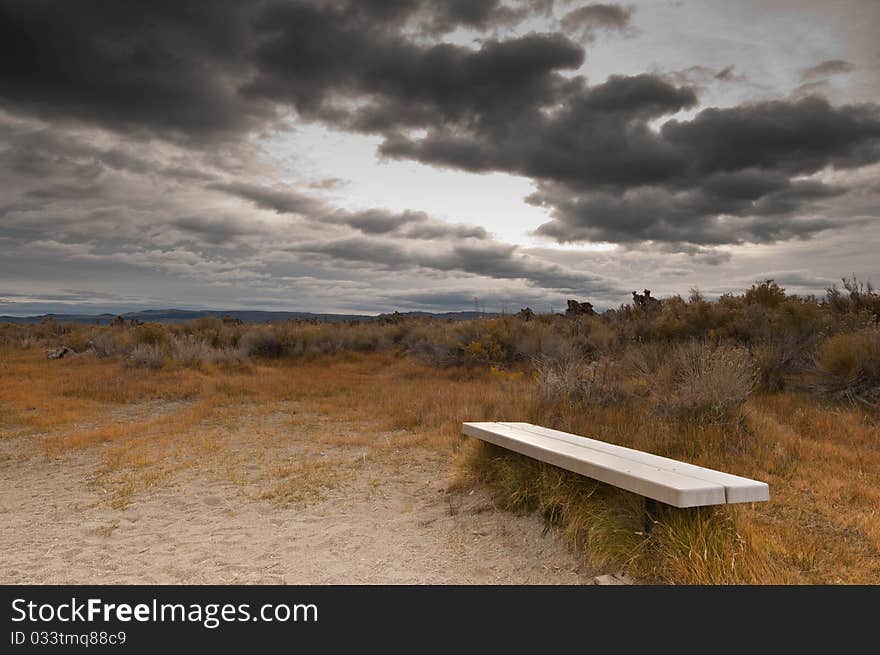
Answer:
(214, 451)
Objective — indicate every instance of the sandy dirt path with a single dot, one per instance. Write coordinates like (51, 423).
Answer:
(392, 522)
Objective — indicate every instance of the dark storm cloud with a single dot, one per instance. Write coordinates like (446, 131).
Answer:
(790, 137)
(827, 68)
(168, 68)
(177, 69)
(693, 216)
(397, 81)
(447, 15)
(607, 161)
(605, 175)
(599, 136)
(586, 21)
(209, 71)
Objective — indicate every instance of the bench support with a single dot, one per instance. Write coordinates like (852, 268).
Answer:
(651, 514)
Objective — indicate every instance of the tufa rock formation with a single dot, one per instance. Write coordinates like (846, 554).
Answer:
(119, 321)
(645, 301)
(576, 308)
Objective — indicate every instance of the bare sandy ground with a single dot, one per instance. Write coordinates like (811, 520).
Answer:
(392, 522)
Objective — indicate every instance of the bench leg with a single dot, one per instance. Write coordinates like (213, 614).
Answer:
(652, 511)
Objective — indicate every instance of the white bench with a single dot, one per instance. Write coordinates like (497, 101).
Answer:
(658, 478)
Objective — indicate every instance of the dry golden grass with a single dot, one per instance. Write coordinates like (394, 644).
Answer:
(305, 479)
(147, 426)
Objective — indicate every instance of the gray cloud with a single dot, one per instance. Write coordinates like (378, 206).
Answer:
(328, 183)
(42, 153)
(281, 201)
(496, 260)
(412, 225)
(827, 69)
(701, 76)
(119, 224)
(409, 224)
(586, 21)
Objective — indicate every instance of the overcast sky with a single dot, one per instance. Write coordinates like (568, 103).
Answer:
(372, 155)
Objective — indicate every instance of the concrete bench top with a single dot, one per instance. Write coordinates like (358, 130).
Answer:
(659, 478)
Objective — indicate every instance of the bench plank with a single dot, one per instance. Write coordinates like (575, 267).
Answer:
(660, 478)
(649, 481)
(737, 489)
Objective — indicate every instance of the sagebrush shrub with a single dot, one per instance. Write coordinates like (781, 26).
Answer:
(153, 334)
(78, 340)
(110, 342)
(191, 351)
(230, 358)
(572, 378)
(262, 341)
(847, 367)
(705, 383)
(146, 355)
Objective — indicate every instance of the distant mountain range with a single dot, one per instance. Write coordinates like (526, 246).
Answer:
(248, 316)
